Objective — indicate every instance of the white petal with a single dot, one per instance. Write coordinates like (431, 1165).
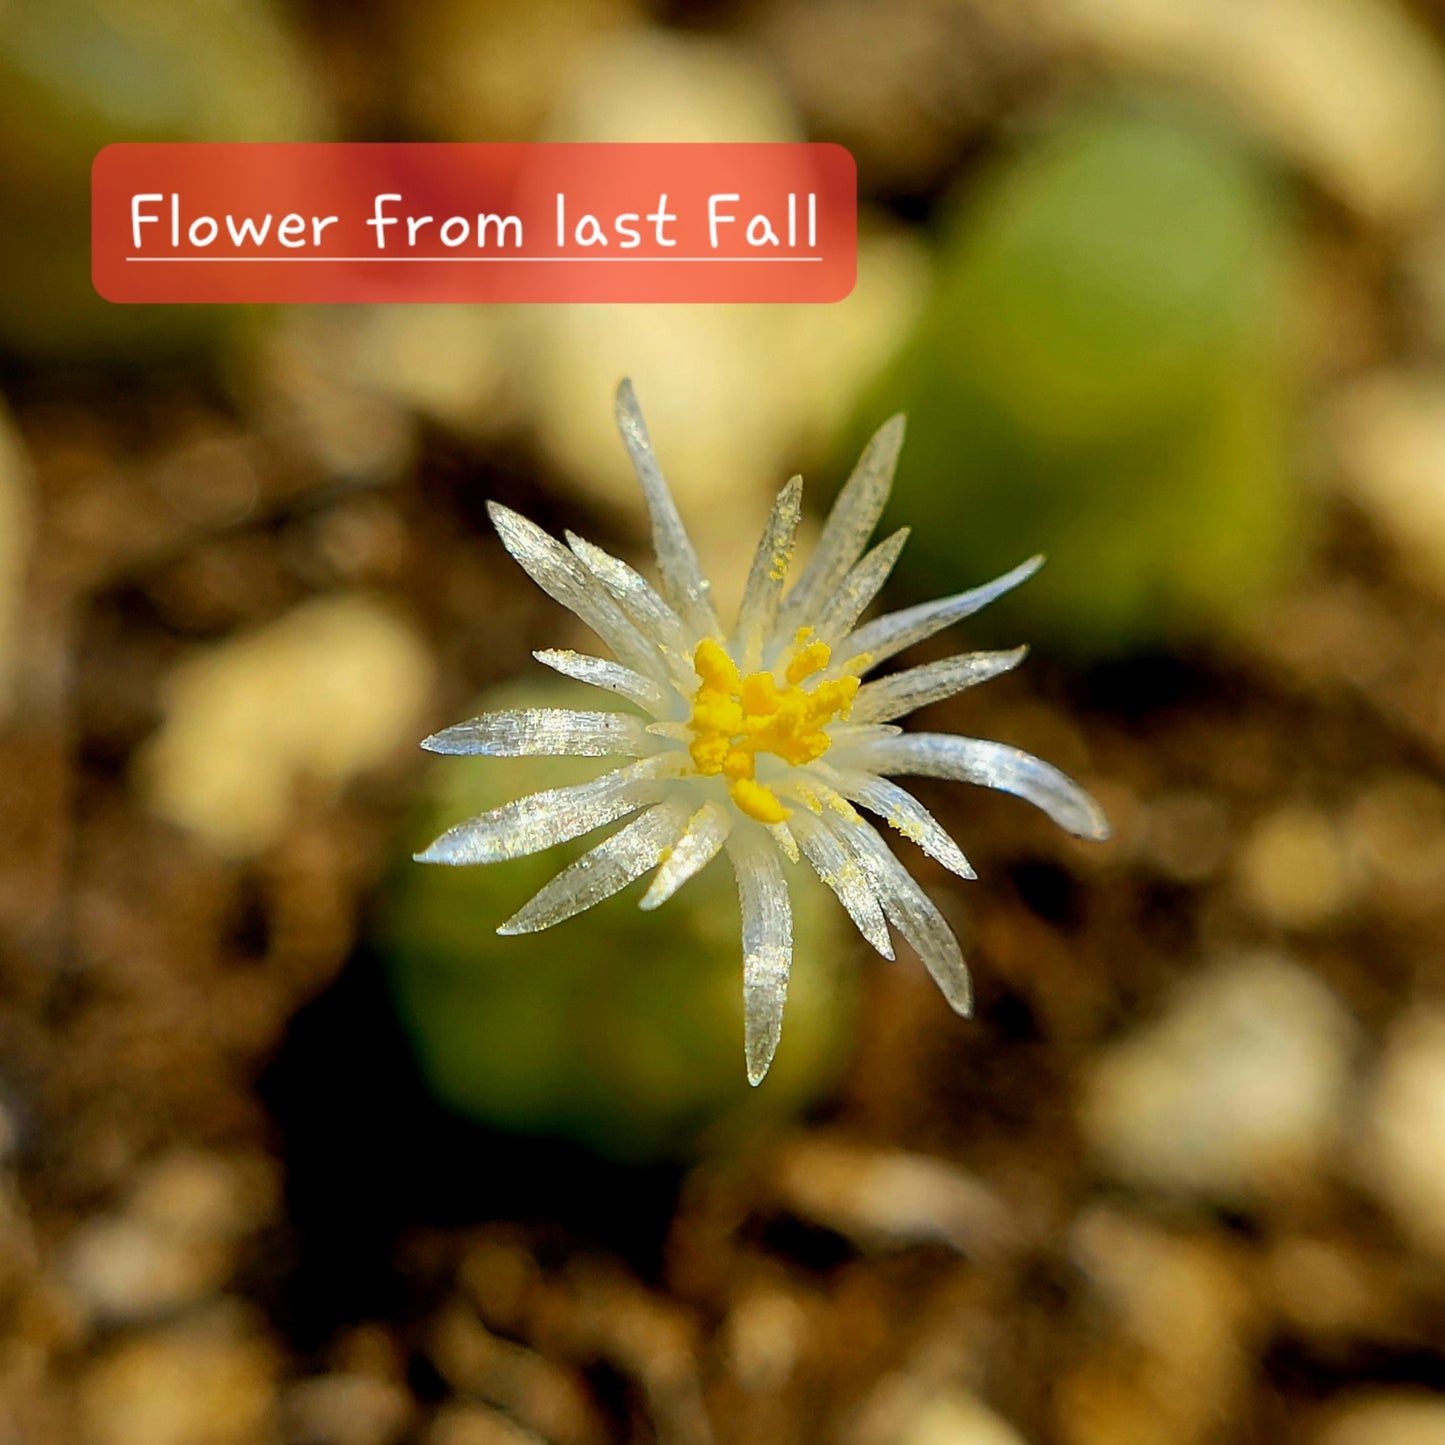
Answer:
(682, 578)
(546, 731)
(911, 912)
(634, 593)
(845, 736)
(704, 835)
(767, 945)
(563, 578)
(759, 608)
(902, 811)
(915, 687)
(606, 869)
(993, 765)
(787, 844)
(850, 524)
(843, 874)
(838, 614)
(541, 819)
(884, 636)
(610, 675)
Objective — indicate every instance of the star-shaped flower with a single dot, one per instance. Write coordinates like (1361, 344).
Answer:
(755, 741)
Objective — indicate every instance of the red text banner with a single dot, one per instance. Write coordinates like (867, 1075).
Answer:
(485, 223)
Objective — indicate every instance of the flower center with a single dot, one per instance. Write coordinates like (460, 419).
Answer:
(734, 718)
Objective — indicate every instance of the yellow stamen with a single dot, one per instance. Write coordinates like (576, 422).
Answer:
(735, 717)
(808, 656)
(715, 668)
(758, 801)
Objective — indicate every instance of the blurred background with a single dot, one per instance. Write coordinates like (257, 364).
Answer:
(293, 1149)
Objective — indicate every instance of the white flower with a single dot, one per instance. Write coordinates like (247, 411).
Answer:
(756, 741)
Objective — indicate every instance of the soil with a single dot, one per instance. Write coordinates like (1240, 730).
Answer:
(159, 1003)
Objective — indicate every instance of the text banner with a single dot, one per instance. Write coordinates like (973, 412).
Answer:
(486, 223)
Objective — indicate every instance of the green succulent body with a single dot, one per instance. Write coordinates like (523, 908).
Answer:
(1104, 374)
(620, 1029)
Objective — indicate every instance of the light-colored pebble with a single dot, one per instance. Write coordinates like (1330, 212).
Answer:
(1403, 1154)
(1234, 1094)
(120, 1270)
(916, 1406)
(207, 1196)
(496, 70)
(890, 1198)
(1168, 1361)
(345, 1409)
(321, 695)
(209, 1382)
(477, 1425)
(313, 399)
(1294, 867)
(1327, 1288)
(1283, 67)
(647, 84)
(1397, 828)
(1188, 835)
(955, 1417)
(763, 1336)
(173, 1242)
(1388, 431)
(530, 1388)
(451, 364)
(497, 1273)
(1394, 1417)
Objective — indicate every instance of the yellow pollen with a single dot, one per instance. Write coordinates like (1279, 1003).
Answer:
(808, 656)
(758, 801)
(734, 718)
